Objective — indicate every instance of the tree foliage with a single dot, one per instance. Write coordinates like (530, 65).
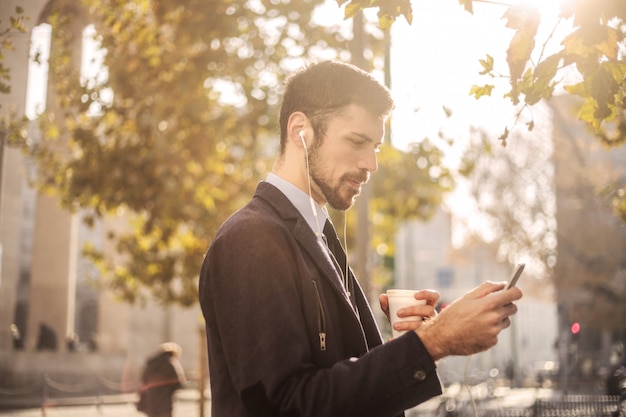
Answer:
(594, 50)
(409, 185)
(178, 126)
(16, 24)
(11, 127)
(513, 200)
(175, 133)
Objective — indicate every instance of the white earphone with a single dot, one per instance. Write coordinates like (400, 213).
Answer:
(308, 177)
(301, 134)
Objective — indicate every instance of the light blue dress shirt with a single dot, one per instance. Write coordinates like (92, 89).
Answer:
(302, 202)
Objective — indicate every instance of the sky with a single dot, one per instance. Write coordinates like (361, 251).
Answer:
(435, 61)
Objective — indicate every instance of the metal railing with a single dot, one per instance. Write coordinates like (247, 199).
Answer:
(47, 392)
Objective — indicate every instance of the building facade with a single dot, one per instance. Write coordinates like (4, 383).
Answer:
(54, 319)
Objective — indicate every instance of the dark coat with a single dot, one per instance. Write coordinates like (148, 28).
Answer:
(270, 295)
(161, 377)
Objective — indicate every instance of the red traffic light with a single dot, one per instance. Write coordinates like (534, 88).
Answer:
(575, 328)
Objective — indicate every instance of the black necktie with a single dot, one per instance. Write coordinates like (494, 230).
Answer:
(339, 258)
(337, 253)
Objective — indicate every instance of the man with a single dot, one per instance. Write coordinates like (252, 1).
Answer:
(290, 333)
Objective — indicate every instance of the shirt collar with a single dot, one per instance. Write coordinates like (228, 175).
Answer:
(302, 202)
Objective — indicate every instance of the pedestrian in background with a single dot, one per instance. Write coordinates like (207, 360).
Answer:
(161, 377)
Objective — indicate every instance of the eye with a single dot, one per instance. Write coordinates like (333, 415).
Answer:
(358, 141)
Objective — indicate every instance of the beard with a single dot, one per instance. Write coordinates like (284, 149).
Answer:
(341, 194)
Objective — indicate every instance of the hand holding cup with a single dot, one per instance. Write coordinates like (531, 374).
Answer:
(407, 309)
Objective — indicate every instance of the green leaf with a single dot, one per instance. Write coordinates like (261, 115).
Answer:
(546, 70)
(541, 83)
(603, 88)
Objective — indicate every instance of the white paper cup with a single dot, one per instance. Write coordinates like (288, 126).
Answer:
(399, 299)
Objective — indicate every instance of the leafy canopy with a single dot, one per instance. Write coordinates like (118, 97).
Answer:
(177, 127)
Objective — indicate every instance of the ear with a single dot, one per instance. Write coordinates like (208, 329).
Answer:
(297, 123)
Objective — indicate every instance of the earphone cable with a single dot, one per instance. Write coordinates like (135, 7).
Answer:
(467, 387)
(308, 179)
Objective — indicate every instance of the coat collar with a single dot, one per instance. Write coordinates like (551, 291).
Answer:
(309, 243)
(303, 234)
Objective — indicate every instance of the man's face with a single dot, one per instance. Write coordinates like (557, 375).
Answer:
(342, 161)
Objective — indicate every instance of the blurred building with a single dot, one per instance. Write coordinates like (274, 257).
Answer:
(426, 258)
(45, 283)
(590, 274)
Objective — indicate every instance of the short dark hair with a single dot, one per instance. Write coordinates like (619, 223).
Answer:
(322, 89)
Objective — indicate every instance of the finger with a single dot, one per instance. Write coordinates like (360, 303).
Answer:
(508, 296)
(505, 323)
(514, 294)
(510, 309)
(423, 310)
(407, 325)
(384, 303)
(487, 287)
(431, 296)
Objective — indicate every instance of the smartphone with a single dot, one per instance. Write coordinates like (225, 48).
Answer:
(518, 272)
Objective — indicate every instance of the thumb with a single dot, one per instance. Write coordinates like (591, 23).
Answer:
(484, 289)
(384, 303)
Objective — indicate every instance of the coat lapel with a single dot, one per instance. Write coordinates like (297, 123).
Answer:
(310, 244)
(305, 237)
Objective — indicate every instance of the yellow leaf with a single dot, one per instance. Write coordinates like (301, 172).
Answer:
(586, 113)
(576, 89)
(574, 45)
(352, 9)
(479, 91)
(609, 47)
(487, 65)
(616, 69)
(385, 21)
(468, 5)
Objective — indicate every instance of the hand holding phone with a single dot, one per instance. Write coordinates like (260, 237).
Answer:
(518, 272)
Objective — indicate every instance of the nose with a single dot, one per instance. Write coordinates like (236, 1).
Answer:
(368, 162)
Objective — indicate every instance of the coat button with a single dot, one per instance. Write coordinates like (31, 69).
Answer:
(419, 375)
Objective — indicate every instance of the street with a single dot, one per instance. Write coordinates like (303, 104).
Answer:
(186, 405)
